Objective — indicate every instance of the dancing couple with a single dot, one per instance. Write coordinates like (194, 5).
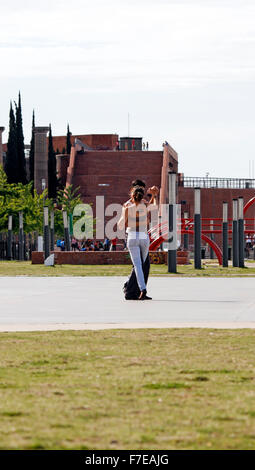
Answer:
(136, 218)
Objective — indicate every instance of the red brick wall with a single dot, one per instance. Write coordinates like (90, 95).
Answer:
(104, 257)
(94, 141)
(117, 169)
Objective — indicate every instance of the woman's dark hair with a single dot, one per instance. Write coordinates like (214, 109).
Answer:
(138, 183)
(137, 193)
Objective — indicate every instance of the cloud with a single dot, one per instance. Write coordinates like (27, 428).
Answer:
(136, 54)
(166, 44)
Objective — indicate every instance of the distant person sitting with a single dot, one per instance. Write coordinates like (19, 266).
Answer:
(113, 244)
(74, 244)
(106, 244)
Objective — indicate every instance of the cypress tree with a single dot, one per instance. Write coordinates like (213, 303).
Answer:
(32, 151)
(52, 168)
(20, 144)
(68, 141)
(11, 167)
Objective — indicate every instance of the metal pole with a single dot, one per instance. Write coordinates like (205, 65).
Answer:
(235, 257)
(30, 245)
(66, 230)
(36, 240)
(225, 235)
(1, 250)
(9, 239)
(186, 236)
(46, 234)
(160, 231)
(197, 228)
(25, 246)
(212, 254)
(21, 237)
(241, 232)
(172, 257)
(52, 233)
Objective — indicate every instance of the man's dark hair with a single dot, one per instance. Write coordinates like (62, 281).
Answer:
(138, 183)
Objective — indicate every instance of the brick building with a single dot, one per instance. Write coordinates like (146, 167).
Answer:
(103, 164)
(108, 173)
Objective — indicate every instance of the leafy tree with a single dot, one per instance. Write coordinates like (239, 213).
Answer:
(68, 198)
(20, 143)
(18, 197)
(11, 164)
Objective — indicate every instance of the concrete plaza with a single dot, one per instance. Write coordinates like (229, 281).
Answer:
(53, 303)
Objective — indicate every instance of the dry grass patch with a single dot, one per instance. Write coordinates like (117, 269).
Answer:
(209, 269)
(128, 389)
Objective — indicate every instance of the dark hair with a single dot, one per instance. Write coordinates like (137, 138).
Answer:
(138, 183)
(137, 193)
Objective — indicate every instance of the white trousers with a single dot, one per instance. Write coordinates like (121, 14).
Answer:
(138, 245)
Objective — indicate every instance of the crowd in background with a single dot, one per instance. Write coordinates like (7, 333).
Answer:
(92, 245)
(249, 245)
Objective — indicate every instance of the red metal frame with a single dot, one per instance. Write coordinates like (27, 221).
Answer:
(156, 243)
(248, 204)
(187, 227)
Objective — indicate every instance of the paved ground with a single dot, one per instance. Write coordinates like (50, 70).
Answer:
(29, 303)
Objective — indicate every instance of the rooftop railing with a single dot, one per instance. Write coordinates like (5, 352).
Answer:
(224, 183)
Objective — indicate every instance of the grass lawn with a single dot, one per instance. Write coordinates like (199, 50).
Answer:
(17, 268)
(128, 389)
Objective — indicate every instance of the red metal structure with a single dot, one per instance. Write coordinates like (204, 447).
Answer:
(159, 234)
(155, 243)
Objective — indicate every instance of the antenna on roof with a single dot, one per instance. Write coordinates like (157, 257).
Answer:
(128, 125)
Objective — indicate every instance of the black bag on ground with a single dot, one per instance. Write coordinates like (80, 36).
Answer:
(131, 288)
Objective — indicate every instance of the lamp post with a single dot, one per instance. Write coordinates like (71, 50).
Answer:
(21, 237)
(212, 255)
(186, 236)
(66, 230)
(9, 240)
(235, 257)
(225, 235)
(46, 232)
(52, 230)
(172, 256)
(241, 232)
(197, 228)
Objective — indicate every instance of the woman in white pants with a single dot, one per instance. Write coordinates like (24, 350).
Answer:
(136, 217)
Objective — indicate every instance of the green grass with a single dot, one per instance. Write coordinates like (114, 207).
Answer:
(209, 269)
(128, 389)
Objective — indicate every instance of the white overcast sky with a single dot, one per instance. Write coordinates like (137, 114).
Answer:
(183, 69)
